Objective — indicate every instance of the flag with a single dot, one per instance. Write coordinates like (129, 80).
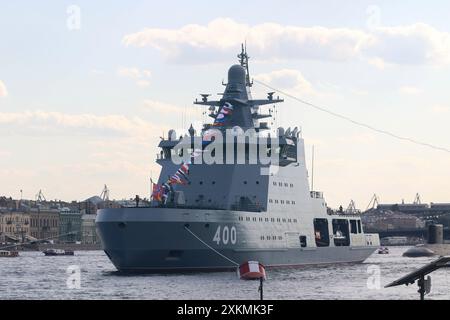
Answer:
(157, 192)
(175, 179)
(223, 115)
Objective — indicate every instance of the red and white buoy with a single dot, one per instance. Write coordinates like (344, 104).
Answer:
(251, 270)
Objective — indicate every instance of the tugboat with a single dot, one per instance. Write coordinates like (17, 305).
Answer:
(56, 252)
(215, 215)
(8, 254)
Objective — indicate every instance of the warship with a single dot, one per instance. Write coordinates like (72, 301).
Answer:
(216, 216)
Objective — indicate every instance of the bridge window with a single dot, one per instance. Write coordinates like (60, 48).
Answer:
(282, 201)
(359, 226)
(267, 219)
(353, 228)
(341, 233)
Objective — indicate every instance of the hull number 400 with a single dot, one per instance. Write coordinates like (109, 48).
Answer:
(225, 235)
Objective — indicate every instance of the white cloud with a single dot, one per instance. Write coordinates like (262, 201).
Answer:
(409, 90)
(415, 44)
(139, 76)
(288, 79)
(439, 109)
(42, 121)
(143, 83)
(158, 107)
(3, 91)
(219, 39)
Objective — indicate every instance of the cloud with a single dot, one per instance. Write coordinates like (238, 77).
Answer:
(408, 90)
(41, 121)
(139, 76)
(417, 44)
(439, 109)
(3, 91)
(158, 107)
(288, 79)
(220, 38)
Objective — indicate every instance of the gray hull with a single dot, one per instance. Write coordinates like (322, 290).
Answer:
(156, 240)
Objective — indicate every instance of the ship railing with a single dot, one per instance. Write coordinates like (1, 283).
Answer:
(349, 213)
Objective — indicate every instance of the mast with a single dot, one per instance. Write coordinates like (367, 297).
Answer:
(243, 60)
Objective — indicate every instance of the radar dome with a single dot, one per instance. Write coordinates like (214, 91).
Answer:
(236, 74)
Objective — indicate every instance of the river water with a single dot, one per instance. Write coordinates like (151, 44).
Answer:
(35, 276)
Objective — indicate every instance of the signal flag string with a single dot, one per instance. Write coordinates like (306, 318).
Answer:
(358, 123)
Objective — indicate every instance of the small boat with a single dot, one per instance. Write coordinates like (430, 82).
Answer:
(384, 250)
(251, 270)
(56, 252)
(8, 254)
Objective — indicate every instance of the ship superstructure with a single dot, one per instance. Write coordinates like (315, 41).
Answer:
(214, 215)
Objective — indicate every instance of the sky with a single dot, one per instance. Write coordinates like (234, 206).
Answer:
(87, 88)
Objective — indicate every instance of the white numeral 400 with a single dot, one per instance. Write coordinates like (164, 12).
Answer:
(228, 235)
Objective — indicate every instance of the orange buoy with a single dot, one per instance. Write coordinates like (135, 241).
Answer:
(252, 270)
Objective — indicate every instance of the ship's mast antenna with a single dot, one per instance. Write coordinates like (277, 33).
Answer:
(243, 60)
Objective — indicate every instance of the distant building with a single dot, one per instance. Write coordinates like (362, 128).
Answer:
(88, 230)
(69, 225)
(91, 205)
(44, 223)
(14, 226)
(390, 220)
